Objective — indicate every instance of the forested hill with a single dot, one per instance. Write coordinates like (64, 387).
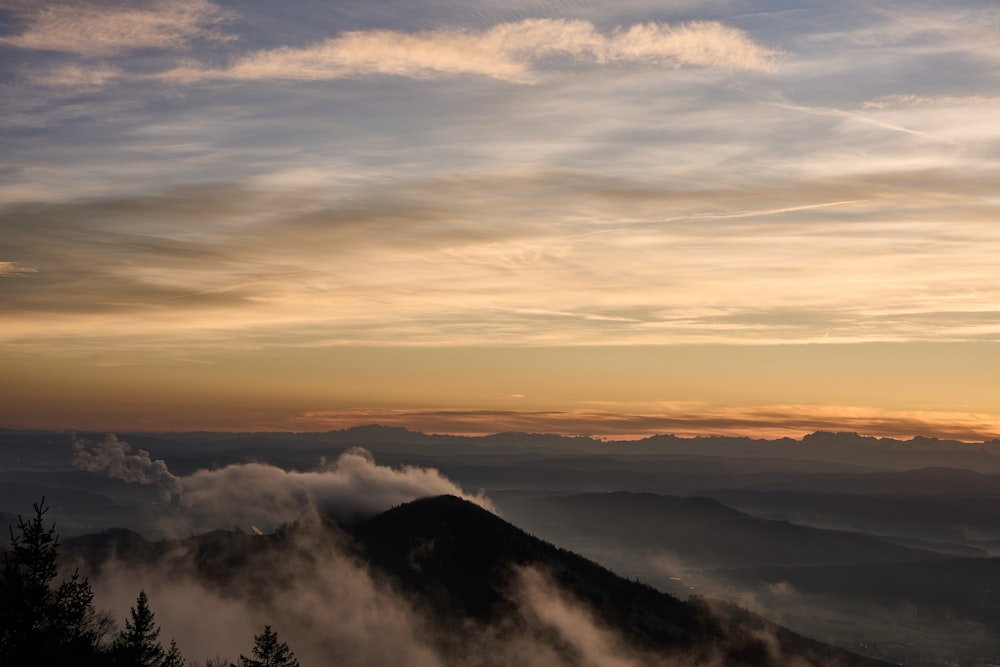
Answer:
(454, 556)
(470, 579)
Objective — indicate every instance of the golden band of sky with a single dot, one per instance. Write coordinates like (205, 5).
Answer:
(884, 389)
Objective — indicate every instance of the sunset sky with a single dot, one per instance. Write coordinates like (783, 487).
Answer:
(614, 218)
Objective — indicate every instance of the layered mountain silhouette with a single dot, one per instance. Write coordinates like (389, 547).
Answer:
(966, 588)
(464, 570)
(701, 530)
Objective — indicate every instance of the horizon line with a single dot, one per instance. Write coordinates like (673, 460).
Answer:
(493, 434)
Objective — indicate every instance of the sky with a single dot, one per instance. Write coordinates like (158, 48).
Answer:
(569, 216)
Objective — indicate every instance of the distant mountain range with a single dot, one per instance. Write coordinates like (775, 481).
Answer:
(920, 451)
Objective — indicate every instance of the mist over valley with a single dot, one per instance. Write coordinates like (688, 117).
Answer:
(711, 536)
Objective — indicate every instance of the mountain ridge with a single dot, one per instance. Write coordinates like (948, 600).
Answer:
(461, 565)
(703, 529)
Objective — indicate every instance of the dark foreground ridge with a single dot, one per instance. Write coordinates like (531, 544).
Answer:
(463, 569)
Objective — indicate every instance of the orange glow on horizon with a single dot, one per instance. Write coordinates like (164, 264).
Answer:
(607, 392)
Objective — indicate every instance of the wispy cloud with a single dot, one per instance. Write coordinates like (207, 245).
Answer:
(508, 51)
(902, 101)
(921, 25)
(15, 270)
(100, 30)
(856, 116)
(969, 29)
(76, 76)
(458, 261)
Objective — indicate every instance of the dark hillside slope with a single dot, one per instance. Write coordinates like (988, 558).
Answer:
(462, 569)
(450, 555)
(932, 514)
(702, 530)
(459, 557)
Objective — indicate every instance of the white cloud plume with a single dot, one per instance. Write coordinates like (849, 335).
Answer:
(318, 597)
(319, 600)
(507, 51)
(250, 494)
(324, 601)
(254, 493)
(94, 30)
(572, 622)
(326, 604)
(116, 458)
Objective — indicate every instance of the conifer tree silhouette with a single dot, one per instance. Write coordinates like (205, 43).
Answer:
(138, 645)
(173, 658)
(269, 652)
(41, 623)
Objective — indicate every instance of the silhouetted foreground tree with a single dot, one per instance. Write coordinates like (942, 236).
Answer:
(138, 644)
(41, 623)
(173, 658)
(269, 652)
(45, 624)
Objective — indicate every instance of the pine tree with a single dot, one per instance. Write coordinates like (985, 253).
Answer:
(138, 644)
(40, 624)
(268, 652)
(173, 657)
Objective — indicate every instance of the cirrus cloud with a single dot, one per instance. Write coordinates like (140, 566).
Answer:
(15, 270)
(512, 51)
(93, 30)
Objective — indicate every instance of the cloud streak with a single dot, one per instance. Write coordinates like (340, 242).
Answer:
(910, 252)
(513, 52)
(96, 30)
(15, 270)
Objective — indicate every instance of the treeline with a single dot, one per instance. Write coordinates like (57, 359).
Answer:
(45, 622)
